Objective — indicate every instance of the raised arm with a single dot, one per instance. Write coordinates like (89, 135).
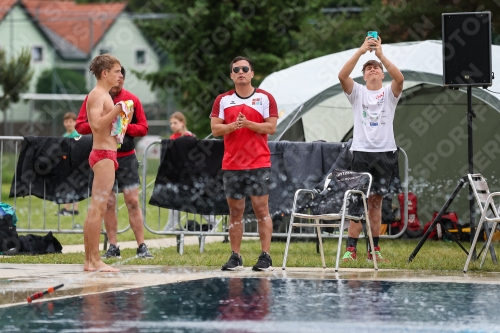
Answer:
(346, 81)
(397, 77)
(96, 119)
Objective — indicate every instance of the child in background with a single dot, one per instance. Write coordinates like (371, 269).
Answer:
(69, 122)
(178, 126)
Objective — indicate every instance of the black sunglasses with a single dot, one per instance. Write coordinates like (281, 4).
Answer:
(245, 69)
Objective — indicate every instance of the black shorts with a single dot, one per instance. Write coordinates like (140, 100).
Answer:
(239, 184)
(127, 174)
(382, 166)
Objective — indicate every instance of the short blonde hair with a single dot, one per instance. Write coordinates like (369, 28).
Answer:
(103, 62)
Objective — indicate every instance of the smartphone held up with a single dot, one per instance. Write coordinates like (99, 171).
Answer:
(370, 35)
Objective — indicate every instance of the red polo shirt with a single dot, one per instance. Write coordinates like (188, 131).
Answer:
(245, 149)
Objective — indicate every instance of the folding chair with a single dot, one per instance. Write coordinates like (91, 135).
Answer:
(342, 216)
(484, 200)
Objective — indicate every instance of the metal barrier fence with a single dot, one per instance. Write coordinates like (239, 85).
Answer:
(42, 227)
(220, 227)
(214, 226)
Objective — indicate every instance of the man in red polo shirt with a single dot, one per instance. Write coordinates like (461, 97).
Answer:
(127, 175)
(245, 116)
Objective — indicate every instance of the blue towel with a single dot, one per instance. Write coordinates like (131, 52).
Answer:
(7, 209)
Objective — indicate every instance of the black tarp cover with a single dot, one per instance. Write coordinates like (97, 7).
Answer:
(190, 177)
(56, 167)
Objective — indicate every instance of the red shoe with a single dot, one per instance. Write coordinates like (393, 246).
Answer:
(350, 254)
(378, 254)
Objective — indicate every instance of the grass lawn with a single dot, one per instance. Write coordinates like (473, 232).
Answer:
(434, 255)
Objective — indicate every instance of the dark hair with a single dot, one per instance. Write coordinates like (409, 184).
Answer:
(239, 58)
(123, 72)
(102, 62)
(69, 115)
(372, 63)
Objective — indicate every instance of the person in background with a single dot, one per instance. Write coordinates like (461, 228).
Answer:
(178, 126)
(179, 129)
(69, 122)
(127, 175)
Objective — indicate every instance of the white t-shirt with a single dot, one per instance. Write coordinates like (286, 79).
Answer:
(373, 117)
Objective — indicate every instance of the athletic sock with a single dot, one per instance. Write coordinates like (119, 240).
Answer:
(352, 242)
(375, 241)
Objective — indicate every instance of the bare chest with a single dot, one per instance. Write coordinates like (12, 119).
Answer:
(107, 107)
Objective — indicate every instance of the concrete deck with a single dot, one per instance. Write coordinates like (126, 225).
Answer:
(18, 281)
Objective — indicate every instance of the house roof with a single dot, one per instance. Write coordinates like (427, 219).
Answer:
(65, 49)
(5, 6)
(73, 29)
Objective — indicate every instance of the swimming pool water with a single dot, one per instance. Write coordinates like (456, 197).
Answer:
(269, 305)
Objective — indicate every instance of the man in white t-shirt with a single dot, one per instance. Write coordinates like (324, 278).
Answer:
(374, 148)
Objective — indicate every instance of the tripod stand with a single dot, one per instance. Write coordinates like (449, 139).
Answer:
(463, 180)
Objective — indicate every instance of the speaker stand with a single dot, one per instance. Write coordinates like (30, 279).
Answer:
(463, 180)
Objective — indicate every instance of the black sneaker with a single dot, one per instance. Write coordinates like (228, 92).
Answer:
(142, 252)
(73, 212)
(235, 263)
(63, 212)
(112, 252)
(265, 263)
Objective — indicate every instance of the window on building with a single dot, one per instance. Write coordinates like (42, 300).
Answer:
(140, 57)
(37, 53)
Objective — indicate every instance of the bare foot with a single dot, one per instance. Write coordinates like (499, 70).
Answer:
(99, 267)
(86, 265)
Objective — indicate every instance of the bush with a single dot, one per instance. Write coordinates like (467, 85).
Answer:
(67, 82)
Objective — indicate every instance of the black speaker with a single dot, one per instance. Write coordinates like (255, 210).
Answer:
(467, 49)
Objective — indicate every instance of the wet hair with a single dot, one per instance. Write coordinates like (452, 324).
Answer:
(372, 63)
(239, 58)
(180, 117)
(69, 115)
(103, 62)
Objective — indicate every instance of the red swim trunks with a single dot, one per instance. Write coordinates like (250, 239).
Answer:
(97, 155)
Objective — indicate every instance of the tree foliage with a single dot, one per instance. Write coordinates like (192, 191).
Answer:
(394, 20)
(133, 5)
(206, 35)
(15, 77)
(65, 81)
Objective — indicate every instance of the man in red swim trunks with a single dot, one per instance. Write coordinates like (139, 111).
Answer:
(101, 113)
(127, 175)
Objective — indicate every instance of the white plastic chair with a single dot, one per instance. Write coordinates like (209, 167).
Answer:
(484, 200)
(342, 216)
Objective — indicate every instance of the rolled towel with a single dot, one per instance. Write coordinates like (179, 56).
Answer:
(120, 123)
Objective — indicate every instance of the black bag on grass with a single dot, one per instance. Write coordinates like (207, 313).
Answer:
(34, 244)
(8, 233)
